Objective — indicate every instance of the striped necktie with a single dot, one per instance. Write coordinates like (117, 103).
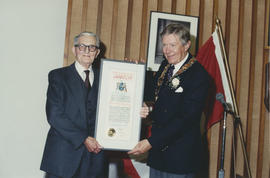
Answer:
(170, 72)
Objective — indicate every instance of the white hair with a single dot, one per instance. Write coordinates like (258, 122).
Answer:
(76, 38)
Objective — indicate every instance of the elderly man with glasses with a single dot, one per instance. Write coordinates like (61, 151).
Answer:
(71, 151)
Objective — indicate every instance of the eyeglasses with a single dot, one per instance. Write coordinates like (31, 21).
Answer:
(82, 47)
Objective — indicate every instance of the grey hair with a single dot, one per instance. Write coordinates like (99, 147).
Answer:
(76, 38)
(177, 29)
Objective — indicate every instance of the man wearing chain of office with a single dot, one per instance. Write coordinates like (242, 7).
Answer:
(181, 88)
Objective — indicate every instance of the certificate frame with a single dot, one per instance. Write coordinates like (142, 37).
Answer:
(118, 122)
(158, 21)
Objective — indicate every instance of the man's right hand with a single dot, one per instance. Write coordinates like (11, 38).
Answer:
(92, 145)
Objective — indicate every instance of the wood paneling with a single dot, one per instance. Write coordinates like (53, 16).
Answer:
(195, 8)
(134, 34)
(180, 7)
(123, 27)
(232, 38)
(107, 25)
(91, 16)
(166, 6)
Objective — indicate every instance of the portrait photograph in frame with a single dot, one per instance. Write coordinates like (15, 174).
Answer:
(118, 122)
(158, 21)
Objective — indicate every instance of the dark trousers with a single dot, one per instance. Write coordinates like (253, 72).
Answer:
(75, 176)
(87, 165)
(48, 175)
(154, 173)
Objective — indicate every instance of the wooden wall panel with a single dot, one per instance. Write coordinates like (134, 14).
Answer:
(195, 8)
(151, 6)
(120, 27)
(134, 38)
(214, 145)
(84, 15)
(252, 129)
(202, 17)
(76, 25)
(180, 6)
(208, 20)
(245, 78)
(221, 14)
(239, 49)
(144, 31)
(232, 49)
(166, 6)
(106, 25)
(258, 63)
(91, 21)
(123, 27)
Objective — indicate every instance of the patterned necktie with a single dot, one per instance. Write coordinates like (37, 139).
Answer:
(87, 82)
(170, 72)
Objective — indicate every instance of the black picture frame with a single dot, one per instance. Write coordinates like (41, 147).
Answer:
(158, 21)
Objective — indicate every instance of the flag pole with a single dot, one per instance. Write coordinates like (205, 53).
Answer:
(237, 121)
(225, 60)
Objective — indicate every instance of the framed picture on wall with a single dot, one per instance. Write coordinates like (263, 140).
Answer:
(158, 21)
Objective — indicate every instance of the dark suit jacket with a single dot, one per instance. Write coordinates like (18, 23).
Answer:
(176, 139)
(72, 119)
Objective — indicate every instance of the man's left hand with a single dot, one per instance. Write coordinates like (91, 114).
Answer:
(92, 145)
(144, 111)
(142, 147)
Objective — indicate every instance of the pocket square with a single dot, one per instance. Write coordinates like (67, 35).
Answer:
(179, 90)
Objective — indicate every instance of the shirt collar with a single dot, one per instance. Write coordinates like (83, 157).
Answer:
(180, 64)
(80, 68)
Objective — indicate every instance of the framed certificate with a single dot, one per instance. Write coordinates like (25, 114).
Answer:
(120, 98)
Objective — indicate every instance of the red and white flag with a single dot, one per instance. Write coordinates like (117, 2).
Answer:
(210, 56)
(136, 169)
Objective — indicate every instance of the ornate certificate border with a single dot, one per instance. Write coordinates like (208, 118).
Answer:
(118, 122)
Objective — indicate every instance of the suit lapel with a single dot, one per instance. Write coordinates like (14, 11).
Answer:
(189, 57)
(77, 90)
(94, 90)
(188, 63)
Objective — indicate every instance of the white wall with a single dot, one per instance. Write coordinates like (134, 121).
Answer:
(32, 34)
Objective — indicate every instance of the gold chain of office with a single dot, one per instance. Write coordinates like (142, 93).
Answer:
(180, 71)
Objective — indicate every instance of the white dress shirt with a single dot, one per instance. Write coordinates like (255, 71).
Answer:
(80, 69)
(179, 64)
